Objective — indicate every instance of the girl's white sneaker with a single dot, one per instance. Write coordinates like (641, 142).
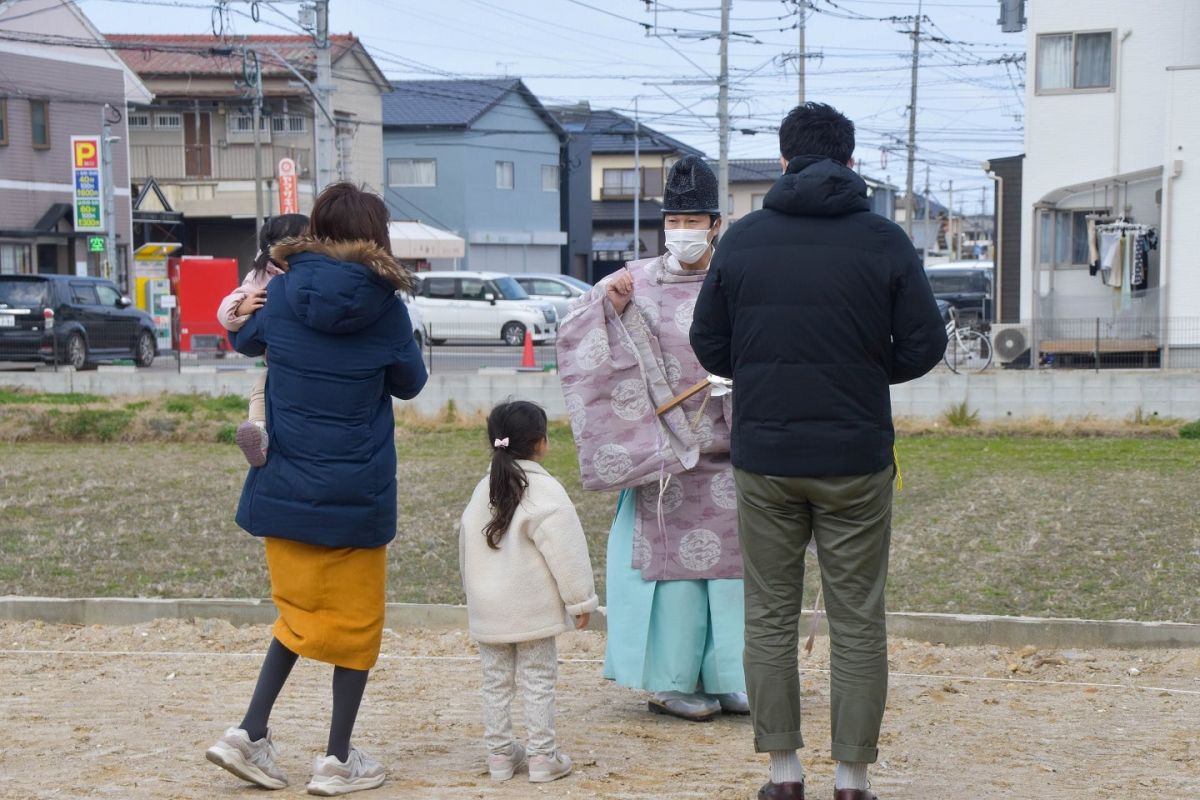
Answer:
(357, 773)
(502, 767)
(250, 761)
(543, 769)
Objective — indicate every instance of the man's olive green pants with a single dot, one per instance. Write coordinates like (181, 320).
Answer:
(851, 519)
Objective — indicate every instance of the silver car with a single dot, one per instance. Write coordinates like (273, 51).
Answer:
(558, 290)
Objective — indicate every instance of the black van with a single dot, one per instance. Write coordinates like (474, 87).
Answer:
(71, 320)
(965, 285)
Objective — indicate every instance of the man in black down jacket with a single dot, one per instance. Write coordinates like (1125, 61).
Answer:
(814, 305)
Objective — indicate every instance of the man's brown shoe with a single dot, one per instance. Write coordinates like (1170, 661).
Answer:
(854, 794)
(793, 790)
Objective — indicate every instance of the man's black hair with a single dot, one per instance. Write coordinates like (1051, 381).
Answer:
(816, 129)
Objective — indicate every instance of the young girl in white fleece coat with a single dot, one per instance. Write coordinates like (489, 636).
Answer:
(528, 578)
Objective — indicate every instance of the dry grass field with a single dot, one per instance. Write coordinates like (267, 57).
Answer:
(1099, 522)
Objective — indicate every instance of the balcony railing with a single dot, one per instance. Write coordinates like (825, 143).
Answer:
(211, 162)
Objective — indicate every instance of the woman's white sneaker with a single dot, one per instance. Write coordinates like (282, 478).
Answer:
(543, 769)
(250, 761)
(501, 767)
(357, 773)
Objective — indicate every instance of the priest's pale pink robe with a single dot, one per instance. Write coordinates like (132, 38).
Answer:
(616, 370)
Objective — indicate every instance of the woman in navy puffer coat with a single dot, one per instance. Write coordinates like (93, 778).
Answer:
(341, 347)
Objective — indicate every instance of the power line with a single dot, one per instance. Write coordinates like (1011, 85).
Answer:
(647, 26)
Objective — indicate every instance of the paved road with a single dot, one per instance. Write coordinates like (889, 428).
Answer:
(442, 358)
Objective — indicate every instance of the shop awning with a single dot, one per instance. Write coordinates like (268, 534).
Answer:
(156, 251)
(416, 240)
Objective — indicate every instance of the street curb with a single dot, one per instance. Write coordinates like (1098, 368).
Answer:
(133, 611)
(951, 629)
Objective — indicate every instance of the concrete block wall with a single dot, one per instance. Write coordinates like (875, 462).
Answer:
(996, 395)
(1058, 395)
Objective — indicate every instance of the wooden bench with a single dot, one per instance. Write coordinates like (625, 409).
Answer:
(1145, 347)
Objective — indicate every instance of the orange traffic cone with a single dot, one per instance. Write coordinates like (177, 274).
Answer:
(527, 359)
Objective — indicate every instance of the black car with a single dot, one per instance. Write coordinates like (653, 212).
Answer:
(944, 310)
(965, 285)
(71, 320)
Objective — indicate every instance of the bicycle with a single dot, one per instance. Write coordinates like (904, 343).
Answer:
(967, 350)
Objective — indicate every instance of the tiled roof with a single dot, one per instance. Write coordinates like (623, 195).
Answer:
(612, 132)
(919, 204)
(151, 55)
(455, 103)
(752, 170)
(768, 170)
(446, 103)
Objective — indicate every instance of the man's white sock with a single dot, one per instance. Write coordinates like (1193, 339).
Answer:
(786, 767)
(850, 775)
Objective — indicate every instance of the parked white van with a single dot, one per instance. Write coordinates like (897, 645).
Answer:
(557, 290)
(481, 306)
(414, 316)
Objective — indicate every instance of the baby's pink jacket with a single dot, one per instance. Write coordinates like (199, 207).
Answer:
(227, 312)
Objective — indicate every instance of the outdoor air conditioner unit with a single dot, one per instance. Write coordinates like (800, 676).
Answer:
(1010, 342)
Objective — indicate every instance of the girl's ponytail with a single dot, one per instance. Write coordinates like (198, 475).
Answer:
(515, 430)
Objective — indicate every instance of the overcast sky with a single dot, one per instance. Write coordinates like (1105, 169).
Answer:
(598, 50)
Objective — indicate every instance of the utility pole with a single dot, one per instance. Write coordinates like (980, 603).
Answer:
(326, 156)
(106, 179)
(256, 115)
(950, 225)
(909, 204)
(983, 215)
(723, 113)
(637, 192)
(801, 56)
(925, 235)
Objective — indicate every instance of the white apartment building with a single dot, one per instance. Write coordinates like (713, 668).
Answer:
(1113, 135)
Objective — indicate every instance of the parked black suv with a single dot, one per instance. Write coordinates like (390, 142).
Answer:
(966, 285)
(71, 320)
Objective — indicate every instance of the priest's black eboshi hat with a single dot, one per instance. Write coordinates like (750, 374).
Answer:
(691, 188)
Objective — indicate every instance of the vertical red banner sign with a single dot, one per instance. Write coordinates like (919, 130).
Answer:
(289, 198)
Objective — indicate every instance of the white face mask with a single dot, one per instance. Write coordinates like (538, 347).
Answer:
(687, 245)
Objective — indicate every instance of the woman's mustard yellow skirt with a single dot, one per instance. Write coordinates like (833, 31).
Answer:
(330, 601)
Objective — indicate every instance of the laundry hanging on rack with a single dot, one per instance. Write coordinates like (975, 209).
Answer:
(1121, 252)
(1093, 247)
(1126, 285)
(1110, 246)
(1143, 244)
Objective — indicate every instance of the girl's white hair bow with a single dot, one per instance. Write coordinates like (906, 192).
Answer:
(500, 444)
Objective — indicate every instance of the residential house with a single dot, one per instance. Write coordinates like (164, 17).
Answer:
(51, 90)
(751, 178)
(195, 142)
(576, 197)
(481, 158)
(749, 181)
(971, 236)
(616, 179)
(1112, 133)
(929, 220)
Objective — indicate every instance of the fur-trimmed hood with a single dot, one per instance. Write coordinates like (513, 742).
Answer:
(358, 251)
(339, 287)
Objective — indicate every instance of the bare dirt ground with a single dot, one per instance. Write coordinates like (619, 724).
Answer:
(126, 712)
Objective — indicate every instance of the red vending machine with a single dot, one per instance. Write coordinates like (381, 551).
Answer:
(200, 283)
